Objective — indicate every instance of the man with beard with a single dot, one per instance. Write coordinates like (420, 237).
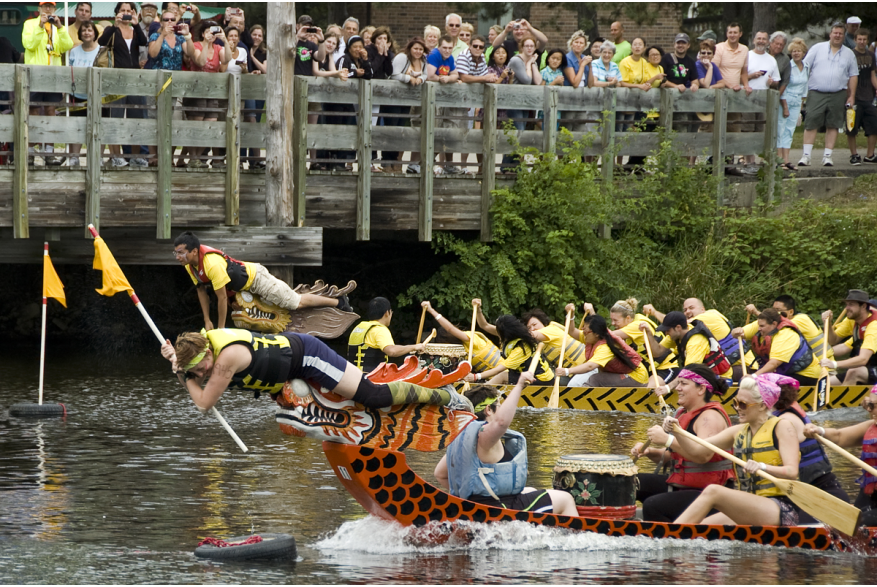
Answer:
(860, 330)
(763, 74)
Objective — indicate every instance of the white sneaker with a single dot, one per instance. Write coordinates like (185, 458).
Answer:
(118, 162)
(827, 162)
(453, 170)
(73, 161)
(805, 161)
(139, 162)
(413, 168)
(460, 402)
(438, 170)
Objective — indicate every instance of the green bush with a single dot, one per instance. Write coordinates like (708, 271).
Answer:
(670, 240)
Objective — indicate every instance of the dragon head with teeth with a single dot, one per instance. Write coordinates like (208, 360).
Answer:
(251, 312)
(327, 416)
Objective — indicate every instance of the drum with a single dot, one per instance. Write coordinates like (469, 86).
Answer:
(604, 486)
(445, 357)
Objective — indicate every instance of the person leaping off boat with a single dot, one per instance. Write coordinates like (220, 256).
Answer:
(863, 434)
(209, 266)
(232, 357)
(487, 462)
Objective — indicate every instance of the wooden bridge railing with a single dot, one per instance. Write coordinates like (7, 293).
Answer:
(337, 199)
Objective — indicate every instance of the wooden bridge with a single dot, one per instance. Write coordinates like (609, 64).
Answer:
(149, 206)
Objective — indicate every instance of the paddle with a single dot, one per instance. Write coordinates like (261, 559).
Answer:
(823, 386)
(428, 338)
(839, 319)
(472, 332)
(742, 356)
(665, 409)
(554, 400)
(824, 507)
(847, 455)
(420, 328)
(642, 450)
(535, 360)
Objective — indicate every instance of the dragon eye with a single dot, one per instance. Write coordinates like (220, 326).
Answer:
(247, 296)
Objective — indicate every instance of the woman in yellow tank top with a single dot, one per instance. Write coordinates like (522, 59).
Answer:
(485, 354)
(766, 443)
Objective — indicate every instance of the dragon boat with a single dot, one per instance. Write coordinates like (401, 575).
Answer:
(365, 449)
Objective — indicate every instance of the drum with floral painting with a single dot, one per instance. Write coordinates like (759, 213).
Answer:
(603, 486)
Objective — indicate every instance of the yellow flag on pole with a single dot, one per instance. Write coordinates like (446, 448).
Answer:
(52, 286)
(114, 280)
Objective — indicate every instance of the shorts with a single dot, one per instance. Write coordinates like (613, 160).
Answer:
(46, 97)
(272, 290)
(825, 109)
(454, 123)
(536, 501)
(318, 363)
(866, 117)
(668, 375)
(788, 512)
(872, 376)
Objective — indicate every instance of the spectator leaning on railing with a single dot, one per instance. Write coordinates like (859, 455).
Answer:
(763, 75)
(731, 57)
(124, 38)
(82, 15)
(381, 55)
(82, 55)
(472, 66)
(834, 75)
(409, 67)
(209, 57)
(577, 74)
(45, 41)
(431, 36)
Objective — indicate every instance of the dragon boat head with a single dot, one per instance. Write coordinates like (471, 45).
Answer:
(251, 312)
(307, 410)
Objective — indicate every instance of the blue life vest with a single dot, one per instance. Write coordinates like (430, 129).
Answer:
(504, 479)
(814, 463)
(801, 358)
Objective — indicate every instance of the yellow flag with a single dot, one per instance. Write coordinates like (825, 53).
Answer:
(52, 286)
(114, 279)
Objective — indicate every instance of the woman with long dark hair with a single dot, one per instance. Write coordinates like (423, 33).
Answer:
(409, 67)
(355, 61)
(611, 363)
(517, 345)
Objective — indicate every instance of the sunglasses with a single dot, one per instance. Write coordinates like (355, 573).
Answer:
(167, 20)
(868, 405)
(454, 26)
(180, 253)
(741, 405)
(478, 46)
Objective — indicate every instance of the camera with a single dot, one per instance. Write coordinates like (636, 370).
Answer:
(127, 17)
(53, 19)
(178, 28)
(215, 30)
(517, 26)
(311, 29)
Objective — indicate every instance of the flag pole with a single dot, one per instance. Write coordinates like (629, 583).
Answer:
(161, 341)
(43, 331)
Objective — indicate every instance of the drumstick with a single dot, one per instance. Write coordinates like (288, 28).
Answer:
(420, 328)
(472, 332)
(429, 338)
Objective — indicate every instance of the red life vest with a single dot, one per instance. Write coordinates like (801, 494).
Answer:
(616, 365)
(717, 471)
(715, 358)
(869, 455)
(801, 358)
(859, 337)
(236, 270)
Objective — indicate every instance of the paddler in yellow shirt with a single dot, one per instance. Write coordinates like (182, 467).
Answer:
(626, 322)
(860, 330)
(485, 354)
(718, 325)
(779, 347)
(787, 307)
(549, 332)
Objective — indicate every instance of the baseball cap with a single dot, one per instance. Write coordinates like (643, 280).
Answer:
(854, 20)
(708, 34)
(305, 19)
(682, 37)
(143, 4)
(672, 320)
(52, 3)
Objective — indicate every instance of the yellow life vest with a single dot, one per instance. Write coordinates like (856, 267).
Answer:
(764, 448)
(574, 354)
(359, 353)
(271, 358)
(543, 373)
(486, 356)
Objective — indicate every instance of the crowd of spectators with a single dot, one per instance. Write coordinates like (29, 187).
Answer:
(821, 87)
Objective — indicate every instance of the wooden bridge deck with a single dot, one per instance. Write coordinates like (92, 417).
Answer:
(154, 204)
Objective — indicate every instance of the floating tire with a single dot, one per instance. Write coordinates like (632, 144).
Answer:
(273, 546)
(38, 410)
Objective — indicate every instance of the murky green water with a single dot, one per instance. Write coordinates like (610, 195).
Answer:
(124, 488)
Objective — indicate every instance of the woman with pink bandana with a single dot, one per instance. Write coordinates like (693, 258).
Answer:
(767, 443)
(814, 468)
(863, 434)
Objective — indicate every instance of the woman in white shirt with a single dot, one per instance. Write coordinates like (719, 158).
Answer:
(82, 56)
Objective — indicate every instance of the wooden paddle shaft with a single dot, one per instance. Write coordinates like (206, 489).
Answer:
(678, 430)
(472, 332)
(847, 455)
(420, 328)
(643, 449)
(428, 338)
(536, 355)
(742, 356)
(664, 406)
(554, 400)
(839, 320)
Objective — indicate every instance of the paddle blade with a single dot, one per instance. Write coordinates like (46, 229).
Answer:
(554, 400)
(823, 506)
(822, 391)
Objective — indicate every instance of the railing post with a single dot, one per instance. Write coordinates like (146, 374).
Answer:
(771, 118)
(720, 122)
(299, 148)
(20, 221)
(665, 118)
(488, 161)
(427, 157)
(93, 148)
(364, 157)
(549, 113)
(608, 158)
(164, 114)
(233, 152)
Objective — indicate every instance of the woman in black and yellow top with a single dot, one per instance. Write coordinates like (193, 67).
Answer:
(485, 354)
(233, 357)
(766, 443)
(517, 346)
(615, 363)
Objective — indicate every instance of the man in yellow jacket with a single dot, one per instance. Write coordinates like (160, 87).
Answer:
(45, 41)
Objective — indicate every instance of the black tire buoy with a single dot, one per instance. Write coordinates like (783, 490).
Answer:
(38, 410)
(273, 546)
